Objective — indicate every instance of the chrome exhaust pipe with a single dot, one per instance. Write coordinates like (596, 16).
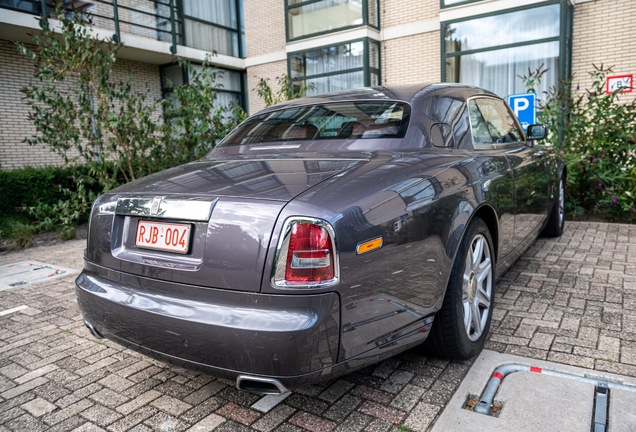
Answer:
(260, 385)
(93, 330)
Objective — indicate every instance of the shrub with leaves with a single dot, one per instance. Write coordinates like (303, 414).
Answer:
(21, 233)
(66, 213)
(89, 118)
(79, 110)
(597, 134)
(194, 118)
(286, 90)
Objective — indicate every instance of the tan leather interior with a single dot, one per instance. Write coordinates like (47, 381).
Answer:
(301, 132)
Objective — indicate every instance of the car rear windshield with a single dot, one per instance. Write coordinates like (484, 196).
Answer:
(334, 121)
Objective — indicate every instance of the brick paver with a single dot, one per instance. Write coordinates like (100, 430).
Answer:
(569, 300)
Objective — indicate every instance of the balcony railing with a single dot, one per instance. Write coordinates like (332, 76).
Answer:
(179, 22)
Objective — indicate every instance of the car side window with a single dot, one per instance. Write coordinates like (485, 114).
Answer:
(461, 130)
(501, 125)
(481, 135)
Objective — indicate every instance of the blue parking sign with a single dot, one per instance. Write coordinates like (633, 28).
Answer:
(525, 107)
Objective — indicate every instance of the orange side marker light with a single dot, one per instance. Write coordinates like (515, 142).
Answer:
(369, 246)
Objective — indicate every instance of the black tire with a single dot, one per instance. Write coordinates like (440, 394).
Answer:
(449, 336)
(556, 220)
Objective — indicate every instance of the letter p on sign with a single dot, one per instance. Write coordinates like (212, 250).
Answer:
(520, 105)
(525, 108)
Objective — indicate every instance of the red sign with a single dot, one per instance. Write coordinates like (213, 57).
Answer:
(622, 83)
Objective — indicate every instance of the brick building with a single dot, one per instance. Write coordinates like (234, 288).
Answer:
(333, 45)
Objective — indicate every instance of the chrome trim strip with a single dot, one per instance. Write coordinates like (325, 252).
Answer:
(280, 259)
(191, 208)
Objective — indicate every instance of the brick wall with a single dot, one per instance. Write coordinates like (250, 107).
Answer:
(16, 71)
(264, 26)
(267, 70)
(264, 34)
(604, 33)
(411, 59)
(398, 12)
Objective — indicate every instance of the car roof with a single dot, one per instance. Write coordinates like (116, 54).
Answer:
(409, 93)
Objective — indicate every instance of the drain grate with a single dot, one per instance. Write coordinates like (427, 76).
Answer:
(27, 272)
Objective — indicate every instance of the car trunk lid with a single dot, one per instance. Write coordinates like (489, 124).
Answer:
(229, 207)
(279, 179)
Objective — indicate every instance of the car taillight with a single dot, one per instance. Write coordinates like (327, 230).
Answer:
(310, 255)
(307, 256)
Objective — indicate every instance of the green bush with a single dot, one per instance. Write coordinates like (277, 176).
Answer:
(86, 116)
(597, 135)
(21, 233)
(67, 233)
(105, 125)
(26, 187)
(288, 89)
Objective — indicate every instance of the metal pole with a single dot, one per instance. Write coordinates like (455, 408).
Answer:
(484, 406)
(116, 36)
(45, 14)
(367, 73)
(239, 27)
(365, 12)
(173, 28)
(181, 22)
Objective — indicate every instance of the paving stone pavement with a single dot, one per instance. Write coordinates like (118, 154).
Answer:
(568, 300)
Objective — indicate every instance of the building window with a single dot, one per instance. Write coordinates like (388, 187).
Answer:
(212, 25)
(230, 84)
(515, 41)
(339, 67)
(209, 25)
(315, 17)
(28, 6)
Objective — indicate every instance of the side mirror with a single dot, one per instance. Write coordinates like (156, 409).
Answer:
(442, 135)
(537, 132)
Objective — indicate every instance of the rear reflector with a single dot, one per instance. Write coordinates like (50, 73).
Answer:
(307, 255)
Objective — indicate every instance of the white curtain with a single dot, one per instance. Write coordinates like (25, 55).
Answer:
(333, 59)
(210, 38)
(522, 26)
(333, 83)
(216, 11)
(323, 16)
(499, 71)
(206, 37)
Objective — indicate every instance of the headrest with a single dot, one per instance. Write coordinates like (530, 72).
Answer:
(346, 129)
(301, 132)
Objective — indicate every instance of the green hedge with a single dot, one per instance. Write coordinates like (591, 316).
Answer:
(28, 186)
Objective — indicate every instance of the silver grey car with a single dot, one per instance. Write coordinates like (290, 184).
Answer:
(324, 234)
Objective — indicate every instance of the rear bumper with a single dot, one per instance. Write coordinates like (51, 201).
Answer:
(223, 333)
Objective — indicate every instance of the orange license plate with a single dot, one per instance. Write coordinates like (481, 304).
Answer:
(163, 236)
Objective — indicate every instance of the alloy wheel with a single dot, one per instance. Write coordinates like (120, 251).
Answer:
(477, 287)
